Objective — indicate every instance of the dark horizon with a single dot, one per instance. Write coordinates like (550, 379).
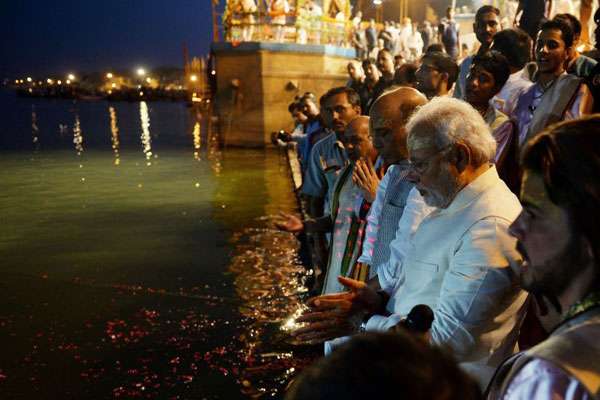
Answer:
(70, 36)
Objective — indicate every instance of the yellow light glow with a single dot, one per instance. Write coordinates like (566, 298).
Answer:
(71, 77)
(110, 92)
(141, 71)
(16, 81)
(148, 80)
(213, 72)
(50, 81)
(141, 93)
(193, 78)
(114, 85)
(109, 75)
(68, 81)
(59, 82)
(29, 79)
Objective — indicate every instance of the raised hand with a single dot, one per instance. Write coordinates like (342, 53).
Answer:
(365, 177)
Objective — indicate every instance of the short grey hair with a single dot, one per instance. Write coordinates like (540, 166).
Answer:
(445, 121)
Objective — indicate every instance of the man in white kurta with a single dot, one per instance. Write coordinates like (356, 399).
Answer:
(458, 264)
(458, 260)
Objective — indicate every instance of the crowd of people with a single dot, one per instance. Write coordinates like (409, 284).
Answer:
(452, 221)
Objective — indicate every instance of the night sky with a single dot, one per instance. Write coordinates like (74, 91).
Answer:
(62, 36)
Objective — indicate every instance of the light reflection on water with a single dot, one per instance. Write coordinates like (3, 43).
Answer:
(114, 134)
(145, 282)
(146, 139)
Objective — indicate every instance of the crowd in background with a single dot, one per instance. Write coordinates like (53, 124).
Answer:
(452, 206)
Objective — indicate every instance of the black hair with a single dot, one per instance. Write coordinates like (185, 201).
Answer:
(443, 63)
(368, 61)
(308, 96)
(378, 365)
(572, 21)
(481, 11)
(567, 156)
(494, 63)
(406, 75)
(434, 47)
(563, 27)
(515, 44)
(294, 105)
(352, 96)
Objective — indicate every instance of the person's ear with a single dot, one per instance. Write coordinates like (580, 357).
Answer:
(445, 77)
(460, 157)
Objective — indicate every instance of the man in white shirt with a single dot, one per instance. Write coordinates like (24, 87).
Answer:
(458, 261)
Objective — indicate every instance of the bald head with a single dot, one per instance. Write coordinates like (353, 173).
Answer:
(357, 141)
(388, 117)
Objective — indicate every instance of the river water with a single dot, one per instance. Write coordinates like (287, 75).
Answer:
(139, 258)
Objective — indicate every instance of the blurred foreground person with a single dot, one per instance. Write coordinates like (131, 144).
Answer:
(559, 237)
(383, 365)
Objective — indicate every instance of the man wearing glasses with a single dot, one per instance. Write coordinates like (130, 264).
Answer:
(436, 75)
(458, 260)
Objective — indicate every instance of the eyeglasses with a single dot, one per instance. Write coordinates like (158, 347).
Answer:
(420, 167)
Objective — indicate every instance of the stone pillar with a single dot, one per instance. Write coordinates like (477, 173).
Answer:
(257, 80)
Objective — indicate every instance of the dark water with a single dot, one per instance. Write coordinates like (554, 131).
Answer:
(138, 257)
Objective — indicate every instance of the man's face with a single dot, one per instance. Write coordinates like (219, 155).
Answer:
(550, 51)
(358, 142)
(389, 136)
(436, 179)
(372, 73)
(428, 78)
(299, 116)
(355, 72)
(486, 27)
(481, 86)
(385, 62)
(309, 108)
(340, 112)
(544, 239)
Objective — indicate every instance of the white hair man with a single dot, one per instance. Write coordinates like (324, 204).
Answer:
(458, 260)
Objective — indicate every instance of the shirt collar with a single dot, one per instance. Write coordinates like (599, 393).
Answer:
(473, 190)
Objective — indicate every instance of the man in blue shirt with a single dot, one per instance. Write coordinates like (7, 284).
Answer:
(327, 158)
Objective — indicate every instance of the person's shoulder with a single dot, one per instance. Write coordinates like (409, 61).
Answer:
(324, 143)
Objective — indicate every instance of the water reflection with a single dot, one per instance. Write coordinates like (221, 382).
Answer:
(197, 140)
(114, 134)
(77, 136)
(214, 150)
(270, 281)
(35, 130)
(146, 140)
(130, 335)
